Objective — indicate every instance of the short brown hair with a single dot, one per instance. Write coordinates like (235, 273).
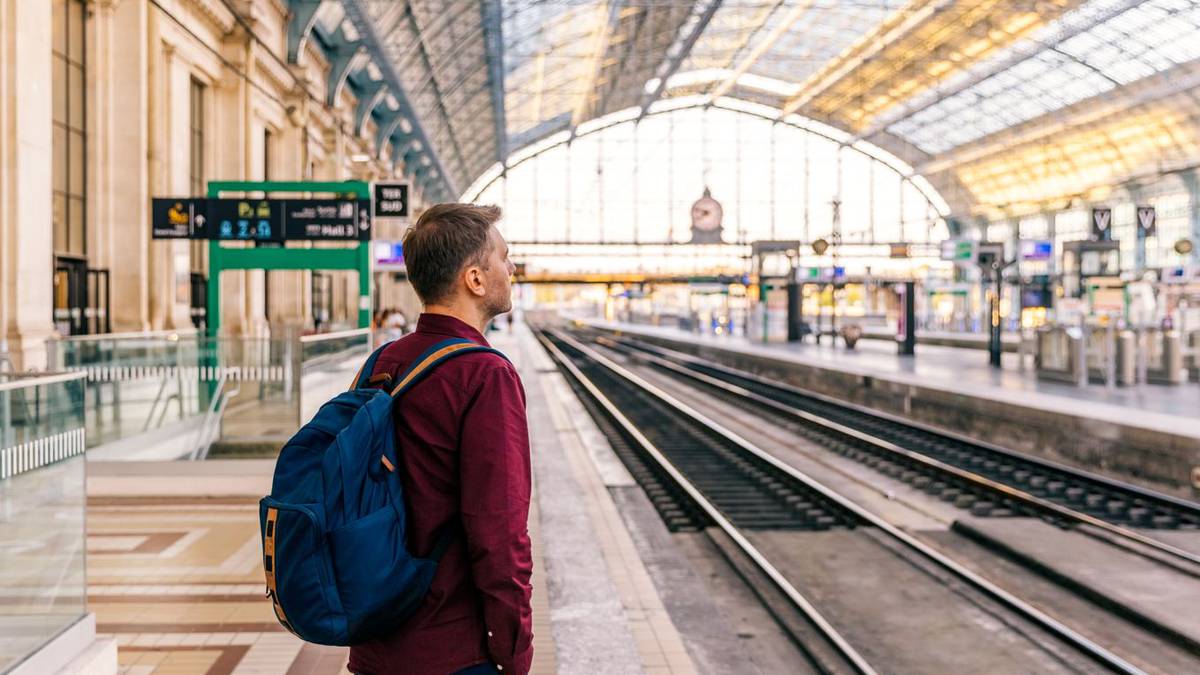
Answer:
(445, 239)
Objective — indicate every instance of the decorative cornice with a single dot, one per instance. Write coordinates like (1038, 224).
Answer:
(215, 13)
(274, 71)
(320, 115)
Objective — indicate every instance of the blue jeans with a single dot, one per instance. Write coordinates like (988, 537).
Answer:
(478, 669)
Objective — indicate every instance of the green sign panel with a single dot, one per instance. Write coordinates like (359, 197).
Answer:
(326, 219)
(959, 251)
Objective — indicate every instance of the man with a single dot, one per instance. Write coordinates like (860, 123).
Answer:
(464, 450)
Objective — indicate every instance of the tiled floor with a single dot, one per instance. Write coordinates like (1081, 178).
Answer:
(178, 583)
(174, 556)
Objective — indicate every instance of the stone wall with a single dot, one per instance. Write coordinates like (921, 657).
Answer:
(142, 59)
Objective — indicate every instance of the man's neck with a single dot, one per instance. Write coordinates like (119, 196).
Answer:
(468, 315)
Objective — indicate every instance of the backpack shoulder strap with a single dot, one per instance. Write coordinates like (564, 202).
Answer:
(435, 356)
(364, 373)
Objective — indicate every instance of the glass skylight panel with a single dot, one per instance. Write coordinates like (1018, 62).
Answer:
(819, 35)
(1120, 43)
(546, 57)
(724, 37)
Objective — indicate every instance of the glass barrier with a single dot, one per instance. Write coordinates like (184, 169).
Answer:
(170, 395)
(1100, 348)
(329, 364)
(137, 382)
(42, 508)
(1054, 350)
(261, 404)
(165, 390)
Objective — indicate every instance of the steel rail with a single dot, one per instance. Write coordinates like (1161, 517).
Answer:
(1083, 474)
(782, 584)
(1086, 646)
(1002, 489)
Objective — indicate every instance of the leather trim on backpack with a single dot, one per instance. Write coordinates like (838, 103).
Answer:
(269, 568)
(430, 360)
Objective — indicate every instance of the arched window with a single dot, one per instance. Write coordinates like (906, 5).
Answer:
(622, 180)
(629, 180)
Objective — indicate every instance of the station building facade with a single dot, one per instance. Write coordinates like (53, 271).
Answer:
(109, 103)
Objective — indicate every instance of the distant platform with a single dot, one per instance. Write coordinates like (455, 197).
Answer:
(1143, 433)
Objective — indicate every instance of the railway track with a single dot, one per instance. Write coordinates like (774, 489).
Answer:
(985, 479)
(699, 474)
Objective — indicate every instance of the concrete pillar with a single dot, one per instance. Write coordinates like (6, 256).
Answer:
(122, 167)
(170, 261)
(26, 143)
(99, 37)
(253, 307)
(176, 179)
(230, 163)
(287, 295)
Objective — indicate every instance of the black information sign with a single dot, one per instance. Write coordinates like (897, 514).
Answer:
(327, 219)
(178, 219)
(1102, 223)
(391, 200)
(1147, 219)
(262, 220)
(245, 219)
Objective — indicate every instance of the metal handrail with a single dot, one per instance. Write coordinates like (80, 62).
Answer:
(39, 379)
(101, 337)
(154, 406)
(322, 337)
(206, 436)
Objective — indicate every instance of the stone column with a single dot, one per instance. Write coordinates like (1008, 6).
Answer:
(174, 180)
(287, 294)
(99, 83)
(229, 163)
(252, 153)
(161, 61)
(121, 163)
(26, 146)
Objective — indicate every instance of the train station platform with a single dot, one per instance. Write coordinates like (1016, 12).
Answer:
(1144, 433)
(174, 558)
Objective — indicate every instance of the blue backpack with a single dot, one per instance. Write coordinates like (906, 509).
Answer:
(334, 529)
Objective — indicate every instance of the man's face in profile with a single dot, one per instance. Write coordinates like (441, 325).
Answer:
(499, 270)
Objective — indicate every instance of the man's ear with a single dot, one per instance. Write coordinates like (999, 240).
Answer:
(473, 277)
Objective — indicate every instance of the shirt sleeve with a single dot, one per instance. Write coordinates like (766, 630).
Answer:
(494, 467)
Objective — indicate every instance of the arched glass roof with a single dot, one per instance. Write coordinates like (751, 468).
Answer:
(963, 90)
(629, 186)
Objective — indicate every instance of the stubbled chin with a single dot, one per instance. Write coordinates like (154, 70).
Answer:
(505, 305)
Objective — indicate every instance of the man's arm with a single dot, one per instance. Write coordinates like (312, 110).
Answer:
(494, 456)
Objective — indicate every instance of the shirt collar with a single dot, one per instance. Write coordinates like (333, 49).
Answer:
(444, 324)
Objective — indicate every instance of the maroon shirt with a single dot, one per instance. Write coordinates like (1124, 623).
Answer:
(464, 458)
